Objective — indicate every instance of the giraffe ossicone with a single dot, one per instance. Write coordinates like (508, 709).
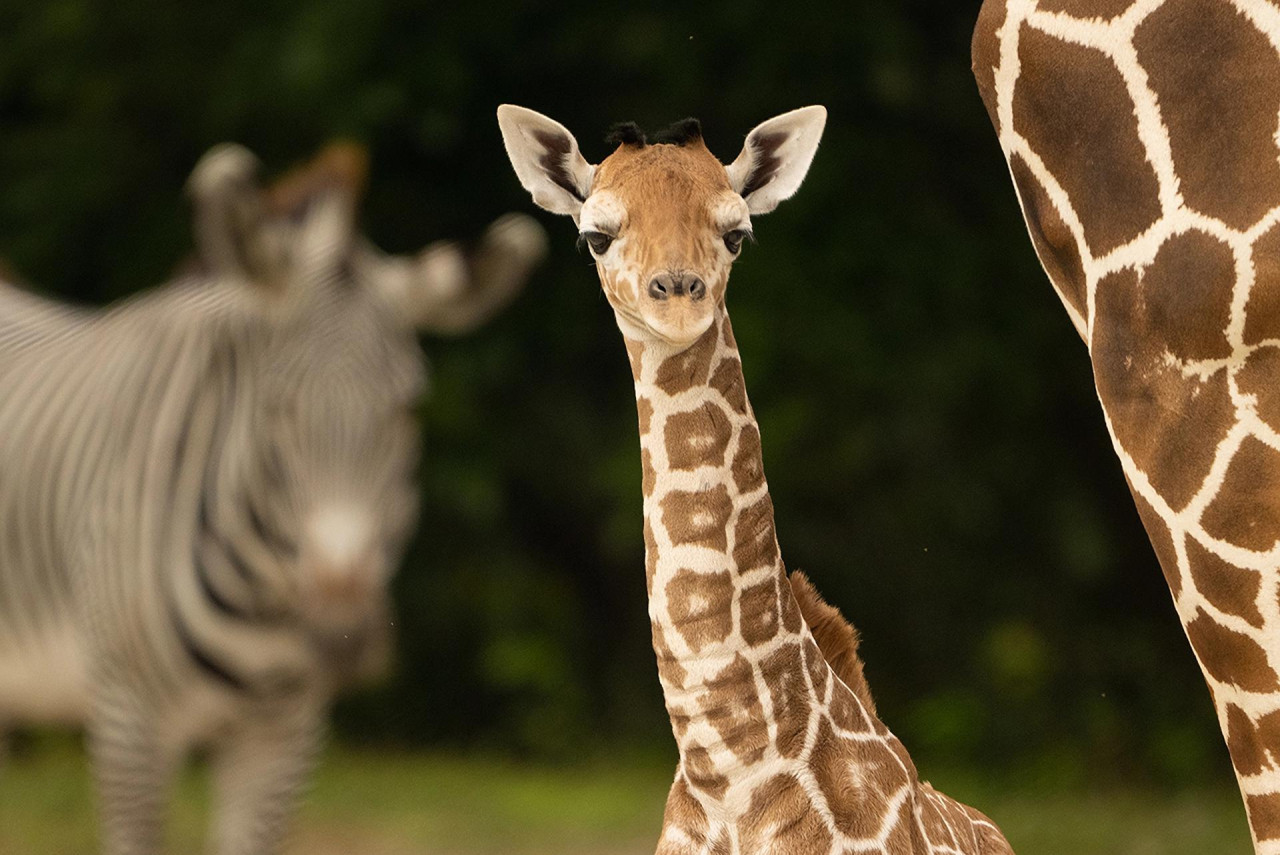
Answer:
(781, 750)
(1141, 136)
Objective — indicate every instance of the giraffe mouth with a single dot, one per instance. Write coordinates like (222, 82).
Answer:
(681, 324)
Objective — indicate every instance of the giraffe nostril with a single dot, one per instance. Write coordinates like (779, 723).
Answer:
(697, 290)
(658, 290)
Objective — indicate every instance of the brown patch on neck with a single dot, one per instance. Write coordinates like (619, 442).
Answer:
(727, 380)
(1230, 589)
(1218, 81)
(1246, 511)
(784, 674)
(701, 772)
(1231, 657)
(1053, 241)
(635, 353)
(1258, 378)
(836, 638)
(644, 409)
(1072, 106)
(1170, 423)
(1161, 540)
(1087, 8)
(1248, 753)
(782, 818)
(858, 779)
(689, 367)
(755, 541)
(1264, 815)
(759, 614)
(700, 605)
(698, 517)
(698, 437)
(735, 711)
(1262, 318)
(685, 813)
(985, 53)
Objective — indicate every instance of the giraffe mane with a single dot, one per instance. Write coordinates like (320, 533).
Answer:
(680, 133)
(837, 638)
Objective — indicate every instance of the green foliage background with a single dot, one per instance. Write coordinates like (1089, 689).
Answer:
(932, 438)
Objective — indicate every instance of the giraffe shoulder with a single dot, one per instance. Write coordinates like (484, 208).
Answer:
(837, 638)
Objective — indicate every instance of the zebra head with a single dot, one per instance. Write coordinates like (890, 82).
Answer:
(336, 375)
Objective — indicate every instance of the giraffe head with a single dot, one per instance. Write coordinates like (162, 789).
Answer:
(663, 218)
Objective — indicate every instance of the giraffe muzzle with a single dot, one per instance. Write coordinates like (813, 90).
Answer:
(664, 286)
(677, 307)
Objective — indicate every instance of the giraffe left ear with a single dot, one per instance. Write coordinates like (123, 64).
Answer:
(776, 157)
(546, 159)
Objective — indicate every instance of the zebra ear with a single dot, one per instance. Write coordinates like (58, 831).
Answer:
(445, 291)
(229, 213)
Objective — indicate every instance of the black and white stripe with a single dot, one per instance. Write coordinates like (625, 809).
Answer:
(203, 490)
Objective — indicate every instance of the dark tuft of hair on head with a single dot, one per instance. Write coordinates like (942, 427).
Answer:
(680, 133)
(626, 133)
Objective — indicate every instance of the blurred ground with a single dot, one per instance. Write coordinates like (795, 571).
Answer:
(379, 803)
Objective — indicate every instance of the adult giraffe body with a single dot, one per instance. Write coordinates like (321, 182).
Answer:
(781, 750)
(1142, 140)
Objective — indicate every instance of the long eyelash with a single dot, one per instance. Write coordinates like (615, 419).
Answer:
(580, 242)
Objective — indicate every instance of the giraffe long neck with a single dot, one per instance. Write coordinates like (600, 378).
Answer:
(776, 753)
(726, 626)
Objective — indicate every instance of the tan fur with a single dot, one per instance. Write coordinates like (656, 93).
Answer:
(837, 638)
(344, 165)
(668, 192)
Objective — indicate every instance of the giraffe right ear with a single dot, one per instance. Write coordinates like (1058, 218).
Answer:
(546, 159)
(776, 157)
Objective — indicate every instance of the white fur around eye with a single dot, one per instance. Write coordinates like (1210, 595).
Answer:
(602, 212)
(730, 213)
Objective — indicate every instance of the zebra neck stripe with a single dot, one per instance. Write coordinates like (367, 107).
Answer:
(216, 597)
(201, 657)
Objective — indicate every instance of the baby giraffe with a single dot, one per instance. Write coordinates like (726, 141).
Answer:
(781, 750)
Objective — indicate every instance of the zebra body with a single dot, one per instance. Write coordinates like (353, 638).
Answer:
(204, 490)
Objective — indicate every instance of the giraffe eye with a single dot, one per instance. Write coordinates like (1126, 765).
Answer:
(598, 241)
(733, 240)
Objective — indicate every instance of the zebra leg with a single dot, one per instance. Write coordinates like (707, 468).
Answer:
(133, 769)
(259, 772)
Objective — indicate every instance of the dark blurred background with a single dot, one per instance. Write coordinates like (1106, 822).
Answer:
(936, 452)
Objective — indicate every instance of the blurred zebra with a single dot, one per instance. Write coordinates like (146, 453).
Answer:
(204, 490)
